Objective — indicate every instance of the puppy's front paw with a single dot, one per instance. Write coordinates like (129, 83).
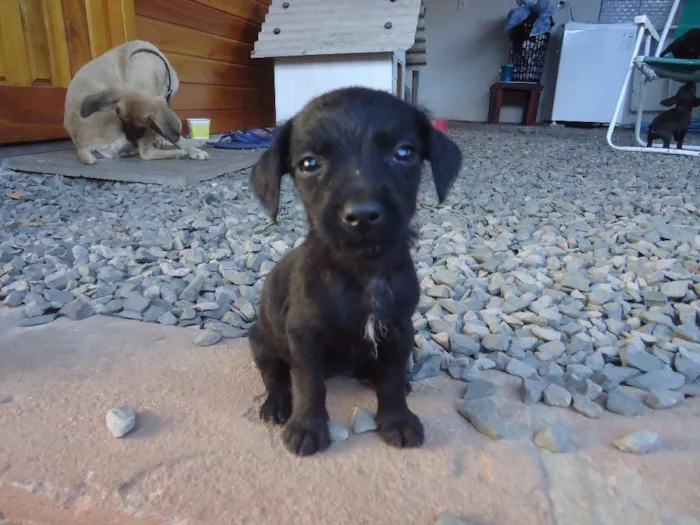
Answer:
(276, 408)
(198, 154)
(401, 430)
(305, 438)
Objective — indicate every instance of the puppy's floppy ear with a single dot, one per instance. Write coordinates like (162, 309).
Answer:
(669, 102)
(268, 172)
(444, 155)
(106, 99)
(164, 121)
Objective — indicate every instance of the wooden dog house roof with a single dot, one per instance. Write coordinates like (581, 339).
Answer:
(333, 27)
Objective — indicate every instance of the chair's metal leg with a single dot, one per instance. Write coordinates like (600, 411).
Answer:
(625, 86)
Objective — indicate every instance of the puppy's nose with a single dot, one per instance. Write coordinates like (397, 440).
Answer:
(362, 215)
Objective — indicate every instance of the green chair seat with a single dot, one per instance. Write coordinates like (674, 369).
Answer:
(680, 70)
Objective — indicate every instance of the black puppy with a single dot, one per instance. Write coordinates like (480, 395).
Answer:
(674, 122)
(342, 301)
(685, 46)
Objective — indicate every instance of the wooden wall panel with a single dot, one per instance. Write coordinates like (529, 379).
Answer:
(209, 43)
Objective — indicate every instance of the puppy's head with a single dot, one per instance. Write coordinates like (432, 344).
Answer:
(355, 155)
(684, 97)
(136, 109)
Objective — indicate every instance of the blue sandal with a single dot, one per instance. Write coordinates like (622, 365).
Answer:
(253, 138)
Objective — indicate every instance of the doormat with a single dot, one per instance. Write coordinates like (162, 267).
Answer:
(171, 172)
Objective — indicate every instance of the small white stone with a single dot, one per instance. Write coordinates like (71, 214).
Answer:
(362, 421)
(338, 432)
(120, 421)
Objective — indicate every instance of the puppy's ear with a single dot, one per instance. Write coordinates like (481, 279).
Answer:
(267, 174)
(444, 155)
(164, 121)
(106, 99)
(669, 102)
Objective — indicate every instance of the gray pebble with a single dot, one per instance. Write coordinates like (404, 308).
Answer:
(120, 421)
(660, 399)
(620, 402)
(36, 321)
(484, 416)
(363, 421)
(520, 369)
(557, 396)
(642, 442)
(585, 406)
(77, 310)
(479, 388)
(555, 438)
(207, 338)
(338, 432)
(661, 379)
(532, 390)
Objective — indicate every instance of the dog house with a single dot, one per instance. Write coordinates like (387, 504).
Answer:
(318, 46)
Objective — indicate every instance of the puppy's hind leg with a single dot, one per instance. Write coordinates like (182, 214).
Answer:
(680, 137)
(275, 375)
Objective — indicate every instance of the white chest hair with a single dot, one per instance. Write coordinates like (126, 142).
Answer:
(375, 327)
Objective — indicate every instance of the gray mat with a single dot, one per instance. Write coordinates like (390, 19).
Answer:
(176, 172)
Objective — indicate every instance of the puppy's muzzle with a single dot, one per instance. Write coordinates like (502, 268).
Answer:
(362, 216)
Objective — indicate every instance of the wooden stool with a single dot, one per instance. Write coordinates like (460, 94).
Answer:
(532, 101)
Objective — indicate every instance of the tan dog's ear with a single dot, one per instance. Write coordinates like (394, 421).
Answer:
(105, 99)
(165, 122)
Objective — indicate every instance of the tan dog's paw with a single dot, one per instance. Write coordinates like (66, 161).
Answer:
(198, 154)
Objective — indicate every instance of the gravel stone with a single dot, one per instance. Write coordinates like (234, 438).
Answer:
(550, 351)
(660, 399)
(620, 402)
(463, 344)
(429, 365)
(642, 442)
(36, 321)
(661, 379)
(479, 388)
(555, 438)
(484, 416)
(77, 310)
(576, 281)
(546, 334)
(338, 432)
(496, 342)
(207, 338)
(520, 369)
(557, 396)
(633, 357)
(120, 421)
(583, 405)
(532, 390)
(363, 421)
(688, 364)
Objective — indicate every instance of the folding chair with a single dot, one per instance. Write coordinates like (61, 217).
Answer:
(654, 67)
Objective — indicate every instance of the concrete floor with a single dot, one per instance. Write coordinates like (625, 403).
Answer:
(200, 456)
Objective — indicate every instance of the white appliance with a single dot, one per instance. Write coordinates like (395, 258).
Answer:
(586, 67)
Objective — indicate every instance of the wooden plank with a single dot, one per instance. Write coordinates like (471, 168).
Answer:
(246, 9)
(58, 47)
(171, 38)
(204, 71)
(77, 34)
(122, 21)
(98, 27)
(13, 48)
(31, 113)
(207, 97)
(196, 16)
(229, 119)
(37, 48)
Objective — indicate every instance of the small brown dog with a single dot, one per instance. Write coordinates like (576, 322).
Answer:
(118, 105)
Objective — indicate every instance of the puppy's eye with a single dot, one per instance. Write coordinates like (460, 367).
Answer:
(404, 154)
(309, 165)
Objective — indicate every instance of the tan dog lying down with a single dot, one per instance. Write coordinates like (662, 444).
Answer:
(117, 105)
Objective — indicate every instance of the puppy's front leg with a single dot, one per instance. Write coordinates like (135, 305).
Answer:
(307, 429)
(398, 426)
(193, 152)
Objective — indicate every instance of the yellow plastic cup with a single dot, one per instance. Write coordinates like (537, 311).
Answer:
(199, 128)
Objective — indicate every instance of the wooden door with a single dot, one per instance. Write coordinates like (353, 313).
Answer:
(43, 43)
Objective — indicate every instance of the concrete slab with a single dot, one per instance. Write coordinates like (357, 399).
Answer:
(199, 455)
(175, 172)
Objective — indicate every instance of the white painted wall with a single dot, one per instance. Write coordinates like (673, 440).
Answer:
(465, 51)
(299, 79)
